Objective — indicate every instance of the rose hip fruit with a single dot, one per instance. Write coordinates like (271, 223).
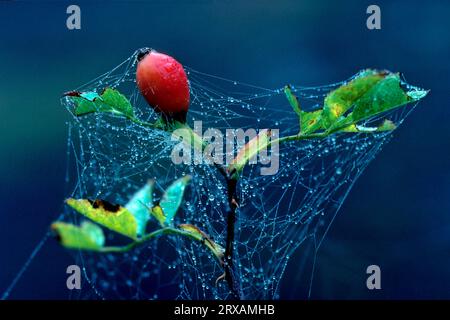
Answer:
(163, 83)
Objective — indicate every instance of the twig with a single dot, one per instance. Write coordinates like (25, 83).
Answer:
(159, 232)
(231, 273)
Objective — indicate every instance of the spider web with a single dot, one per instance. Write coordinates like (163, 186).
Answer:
(282, 220)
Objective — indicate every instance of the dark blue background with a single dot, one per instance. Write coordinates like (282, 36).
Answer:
(397, 215)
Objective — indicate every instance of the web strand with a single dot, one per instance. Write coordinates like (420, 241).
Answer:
(112, 157)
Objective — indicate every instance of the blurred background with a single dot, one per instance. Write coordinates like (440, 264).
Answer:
(398, 213)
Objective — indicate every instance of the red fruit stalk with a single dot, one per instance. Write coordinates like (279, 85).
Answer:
(164, 84)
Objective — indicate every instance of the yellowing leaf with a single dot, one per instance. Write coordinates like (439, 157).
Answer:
(199, 235)
(339, 101)
(111, 216)
(157, 212)
(88, 236)
(250, 150)
(311, 121)
(385, 95)
(374, 94)
(387, 125)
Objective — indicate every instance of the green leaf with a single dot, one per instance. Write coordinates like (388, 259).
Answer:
(308, 121)
(171, 199)
(339, 101)
(293, 100)
(140, 205)
(249, 150)
(199, 235)
(357, 94)
(376, 94)
(385, 95)
(88, 236)
(110, 100)
(311, 121)
(111, 216)
(189, 137)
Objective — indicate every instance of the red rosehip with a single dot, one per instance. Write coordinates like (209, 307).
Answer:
(163, 83)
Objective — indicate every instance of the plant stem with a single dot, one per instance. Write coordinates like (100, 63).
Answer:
(128, 247)
(230, 271)
(143, 123)
(231, 274)
(297, 137)
(154, 234)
